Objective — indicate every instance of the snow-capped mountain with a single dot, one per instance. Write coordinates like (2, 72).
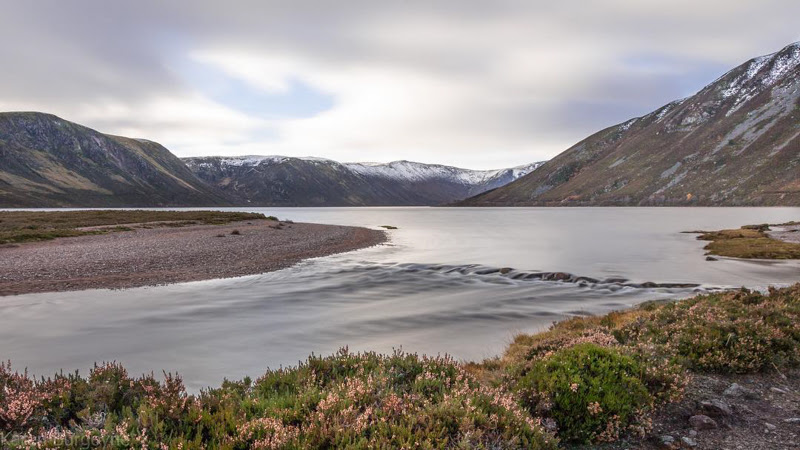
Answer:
(290, 181)
(736, 142)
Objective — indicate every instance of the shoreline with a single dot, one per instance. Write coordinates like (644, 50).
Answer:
(158, 256)
(629, 379)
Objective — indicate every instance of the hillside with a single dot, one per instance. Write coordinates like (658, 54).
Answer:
(286, 181)
(736, 142)
(46, 161)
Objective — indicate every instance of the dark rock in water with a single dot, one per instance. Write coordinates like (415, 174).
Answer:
(711, 258)
(702, 422)
(678, 285)
(614, 280)
(558, 276)
(587, 279)
(505, 270)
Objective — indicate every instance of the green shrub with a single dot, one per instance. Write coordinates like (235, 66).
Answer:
(342, 401)
(737, 332)
(593, 393)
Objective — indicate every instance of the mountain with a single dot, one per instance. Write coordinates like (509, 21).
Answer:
(286, 181)
(736, 142)
(46, 161)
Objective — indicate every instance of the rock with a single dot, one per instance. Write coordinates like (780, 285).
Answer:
(666, 442)
(711, 258)
(778, 390)
(688, 442)
(702, 422)
(715, 408)
(737, 390)
(792, 420)
(769, 426)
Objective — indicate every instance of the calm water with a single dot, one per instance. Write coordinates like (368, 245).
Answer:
(433, 289)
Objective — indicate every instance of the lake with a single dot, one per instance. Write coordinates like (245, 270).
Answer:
(435, 288)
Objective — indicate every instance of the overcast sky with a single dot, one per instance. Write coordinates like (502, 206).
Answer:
(472, 84)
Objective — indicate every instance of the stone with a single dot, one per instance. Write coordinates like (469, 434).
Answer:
(711, 258)
(688, 442)
(702, 422)
(769, 426)
(666, 442)
(715, 408)
(778, 390)
(792, 420)
(737, 390)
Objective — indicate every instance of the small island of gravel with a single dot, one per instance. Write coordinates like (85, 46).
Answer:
(74, 250)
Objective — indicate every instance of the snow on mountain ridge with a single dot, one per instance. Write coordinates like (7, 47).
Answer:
(761, 73)
(401, 170)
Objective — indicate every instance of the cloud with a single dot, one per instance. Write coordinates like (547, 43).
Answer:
(476, 84)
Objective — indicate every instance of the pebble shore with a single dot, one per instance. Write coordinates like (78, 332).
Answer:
(155, 256)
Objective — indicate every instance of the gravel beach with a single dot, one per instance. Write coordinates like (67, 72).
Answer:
(787, 233)
(155, 256)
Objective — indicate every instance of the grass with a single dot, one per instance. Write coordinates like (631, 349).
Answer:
(586, 380)
(29, 226)
(750, 242)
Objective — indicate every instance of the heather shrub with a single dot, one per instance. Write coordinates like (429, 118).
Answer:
(737, 332)
(342, 401)
(591, 392)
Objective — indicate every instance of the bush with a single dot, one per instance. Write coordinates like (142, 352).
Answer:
(592, 393)
(342, 401)
(736, 332)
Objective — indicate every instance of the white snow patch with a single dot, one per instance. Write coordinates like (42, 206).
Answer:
(408, 170)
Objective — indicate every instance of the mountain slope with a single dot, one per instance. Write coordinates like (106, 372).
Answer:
(46, 161)
(285, 181)
(736, 142)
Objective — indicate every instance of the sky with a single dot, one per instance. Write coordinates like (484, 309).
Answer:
(475, 84)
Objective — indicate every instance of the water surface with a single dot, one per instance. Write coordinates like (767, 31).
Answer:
(435, 288)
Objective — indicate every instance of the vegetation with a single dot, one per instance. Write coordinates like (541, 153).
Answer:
(586, 380)
(585, 389)
(28, 226)
(346, 400)
(750, 241)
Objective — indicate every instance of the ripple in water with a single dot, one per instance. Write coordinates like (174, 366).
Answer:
(213, 329)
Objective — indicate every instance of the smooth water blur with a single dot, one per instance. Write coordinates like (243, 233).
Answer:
(433, 289)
